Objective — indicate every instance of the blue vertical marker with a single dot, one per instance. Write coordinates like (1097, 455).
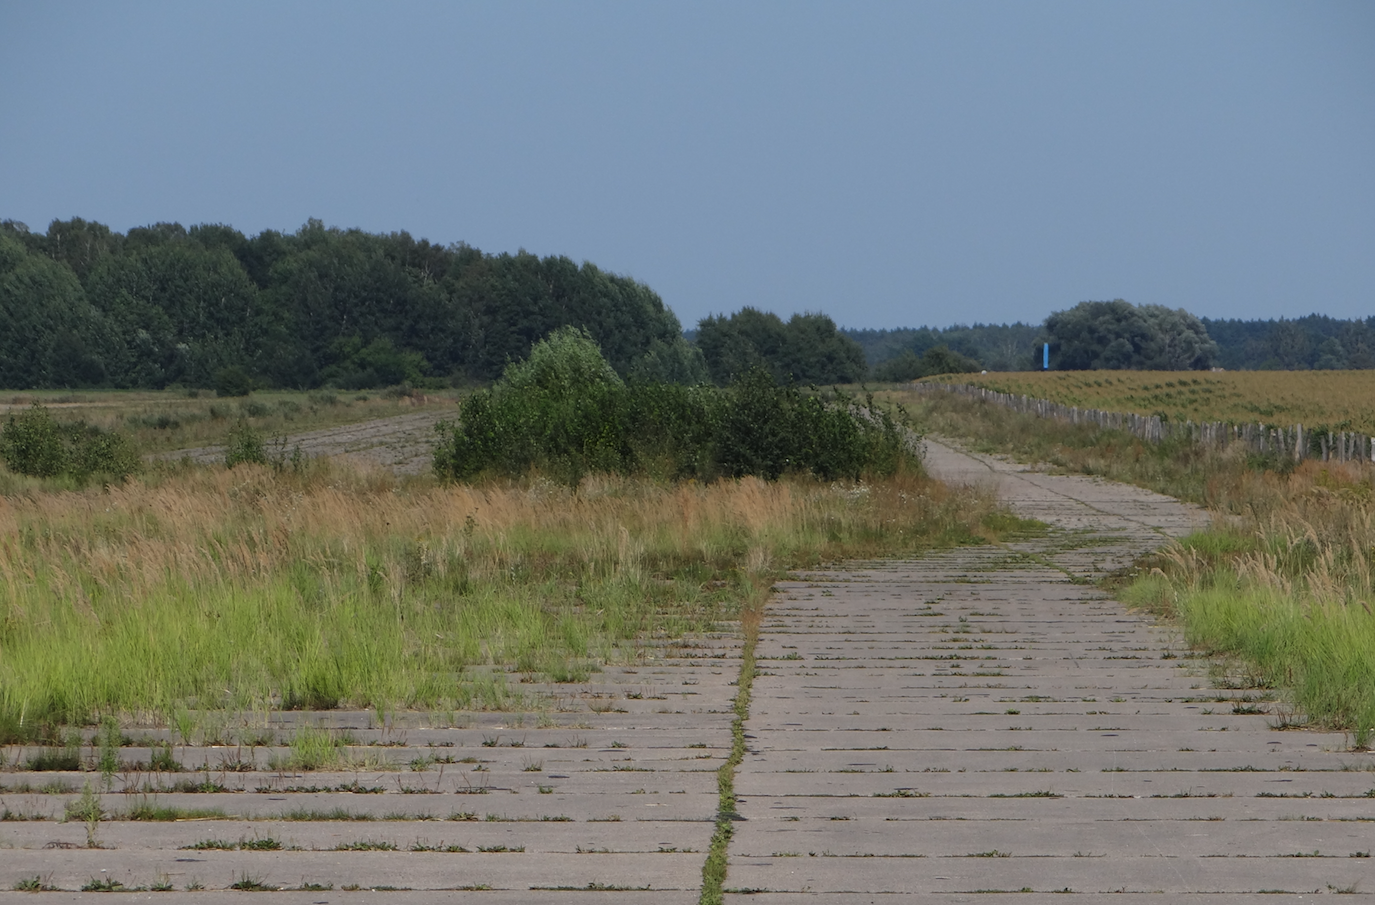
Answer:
(1045, 357)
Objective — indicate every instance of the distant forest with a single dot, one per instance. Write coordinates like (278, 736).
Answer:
(1315, 342)
(82, 305)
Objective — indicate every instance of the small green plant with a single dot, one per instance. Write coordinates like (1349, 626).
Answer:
(250, 883)
(33, 884)
(87, 809)
(108, 739)
(105, 885)
(162, 760)
(267, 844)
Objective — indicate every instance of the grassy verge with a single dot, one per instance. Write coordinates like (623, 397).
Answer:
(1281, 582)
(1285, 587)
(205, 589)
(1177, 469)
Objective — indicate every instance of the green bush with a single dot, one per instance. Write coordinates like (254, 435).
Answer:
(32, 444)
(102, 453)
(565, 413)
(233, 381)
(35, 444)
(245, 446)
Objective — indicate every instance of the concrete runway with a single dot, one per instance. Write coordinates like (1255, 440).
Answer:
(985, 721)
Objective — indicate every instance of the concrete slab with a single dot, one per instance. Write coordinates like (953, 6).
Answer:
(1090, 875)
(559, 837)
(607, 791)
(367, 869)
(1026, 898)
(338, 896)
(975, 722)
(1048, 837)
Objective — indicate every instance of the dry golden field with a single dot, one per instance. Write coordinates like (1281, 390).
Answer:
(1338, 400)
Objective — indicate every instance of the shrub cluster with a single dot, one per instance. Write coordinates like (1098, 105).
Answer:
(246, 446)
(564, 412)
(233, 381)
(36, 444)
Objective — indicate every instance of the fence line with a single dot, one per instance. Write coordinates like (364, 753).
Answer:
(1261, 439)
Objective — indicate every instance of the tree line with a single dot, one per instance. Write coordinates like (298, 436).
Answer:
(84, 305)
(1117, 334)
(163, 305)
(1315, 342)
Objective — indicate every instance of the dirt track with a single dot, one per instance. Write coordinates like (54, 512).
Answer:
(403, 443)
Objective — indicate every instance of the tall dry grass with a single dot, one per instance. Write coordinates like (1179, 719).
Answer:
(210, 588)
(1284, 582)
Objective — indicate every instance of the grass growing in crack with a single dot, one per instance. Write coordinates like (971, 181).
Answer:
(153, 811)
(89, 811)
(307, 815)
(714, 869)
(313, 748)
(366, 845)
(250, 883)
(256, 844)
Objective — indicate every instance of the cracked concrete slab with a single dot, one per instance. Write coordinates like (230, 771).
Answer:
(609, 791)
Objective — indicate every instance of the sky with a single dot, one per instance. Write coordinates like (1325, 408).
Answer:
(889, 164)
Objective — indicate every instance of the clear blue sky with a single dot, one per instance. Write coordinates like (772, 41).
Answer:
(889, 164)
